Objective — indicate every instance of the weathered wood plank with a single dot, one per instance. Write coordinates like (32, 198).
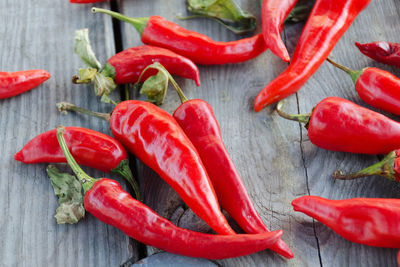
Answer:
(41, 35)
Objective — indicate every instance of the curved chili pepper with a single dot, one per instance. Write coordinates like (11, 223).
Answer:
(378, 88)
(340, 125)
(126, 66)
(389, 168)
(107, 201)
(197, 120)
(369, 221)
(384, 52)
(273, 15)
(158, 31)
(15, 83)
(328, 21)
(158, 141)
(91, 148)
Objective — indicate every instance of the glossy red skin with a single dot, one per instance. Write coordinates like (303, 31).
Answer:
(200, 48)
(384, 52)
(15, 83)
(85, 1)
(130, 63)
(273, 15)
(158, 141)
(88, 147)
(197, 120)
(328, 21)
(340, 125)
(109, 203)
(380, 89)
(398, 258)
(369, 221)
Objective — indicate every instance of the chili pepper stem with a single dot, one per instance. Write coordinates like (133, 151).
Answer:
(302, 118)
(65, 106)
(161, 68)
(353, 73)
(86, 181)
(124, 170)
(139, 23)
(383, 168)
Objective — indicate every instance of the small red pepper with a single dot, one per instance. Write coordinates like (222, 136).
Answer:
(158, 141)
(340, 125)
(328, 21)
(369, 221)
(90, 148)
(15, 83)
(389, 168)
(126, 66)
(384, 52)
(378, 88)
(107, 201)
(158, 31)
(273, 15)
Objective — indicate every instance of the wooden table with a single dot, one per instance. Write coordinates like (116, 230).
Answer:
(274, 156)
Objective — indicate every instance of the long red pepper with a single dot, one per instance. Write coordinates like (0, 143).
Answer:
(158, 141)
(273, 15)
(90, 148)
(376, 87)
(107, 201)
(369, 221)
(158, 31)
(340, 125)
(15, 83)
(384, 52)
(126, 66)
(328, 21)
(196, 118)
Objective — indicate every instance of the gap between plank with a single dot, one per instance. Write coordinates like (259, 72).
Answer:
(116, 24)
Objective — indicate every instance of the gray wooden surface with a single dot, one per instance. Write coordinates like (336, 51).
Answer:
(274, 156)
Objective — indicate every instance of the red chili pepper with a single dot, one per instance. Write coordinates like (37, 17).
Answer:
(105, 199)
(384, 52)
(398, 258)
(369, 221)
(90, 148)
(126, 66)
(15, 83)
(389, 168)
(328, 21)
(376, 87)
(197, 120)
(273, 15)
(158, 31)
(158, 141)
(340, 125)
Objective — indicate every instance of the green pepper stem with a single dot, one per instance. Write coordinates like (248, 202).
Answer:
(124, 170)
(161, 68)
(303, 118)
(139, 23)
(65, 106)
(354, 74)
(383, 168)
(86, 181)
